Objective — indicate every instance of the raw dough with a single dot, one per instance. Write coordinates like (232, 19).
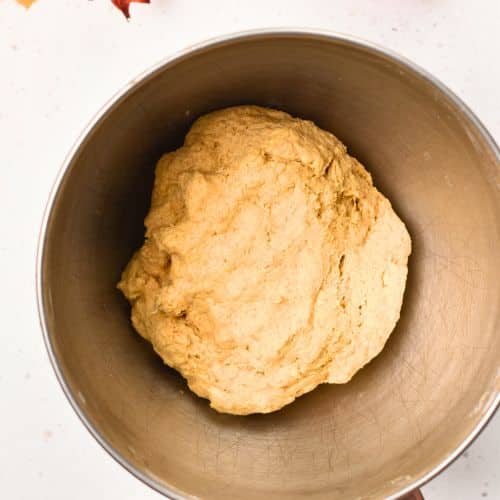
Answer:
(271, 262)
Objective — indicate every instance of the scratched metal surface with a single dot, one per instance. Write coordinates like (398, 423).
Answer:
(404, 413)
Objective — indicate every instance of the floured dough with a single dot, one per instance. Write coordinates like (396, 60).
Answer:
(271, 263)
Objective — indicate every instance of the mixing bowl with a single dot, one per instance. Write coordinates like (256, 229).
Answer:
(405, 415)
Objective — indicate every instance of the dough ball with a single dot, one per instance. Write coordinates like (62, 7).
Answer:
(271, 263)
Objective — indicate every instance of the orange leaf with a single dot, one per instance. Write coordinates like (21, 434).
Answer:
(124, 5)
(26, 3)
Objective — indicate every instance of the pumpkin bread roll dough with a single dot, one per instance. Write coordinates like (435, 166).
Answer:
(271, 262)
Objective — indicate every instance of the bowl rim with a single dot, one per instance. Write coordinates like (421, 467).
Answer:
(246, 35)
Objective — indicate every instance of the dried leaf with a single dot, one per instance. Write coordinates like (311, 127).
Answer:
(26, 3)
(124, 5)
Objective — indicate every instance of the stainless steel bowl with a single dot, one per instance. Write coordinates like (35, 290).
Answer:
(403, 417)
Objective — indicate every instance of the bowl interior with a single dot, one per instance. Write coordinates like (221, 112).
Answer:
(403, 413)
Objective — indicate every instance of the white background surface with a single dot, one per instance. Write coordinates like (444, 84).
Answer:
(59, 62)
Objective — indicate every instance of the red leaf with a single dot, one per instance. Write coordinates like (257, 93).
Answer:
(124, 5)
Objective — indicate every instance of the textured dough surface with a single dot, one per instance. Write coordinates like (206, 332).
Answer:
(271, 263)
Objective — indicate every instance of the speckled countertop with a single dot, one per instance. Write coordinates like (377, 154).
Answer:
(59, 62)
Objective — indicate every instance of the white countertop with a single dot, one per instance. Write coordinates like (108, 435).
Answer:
(59, 62)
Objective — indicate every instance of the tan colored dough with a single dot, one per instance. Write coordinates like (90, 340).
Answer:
(271, 262)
